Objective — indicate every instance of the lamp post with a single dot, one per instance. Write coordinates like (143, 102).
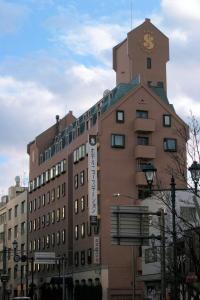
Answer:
(150, 172)
(24, 258)
(195, 174)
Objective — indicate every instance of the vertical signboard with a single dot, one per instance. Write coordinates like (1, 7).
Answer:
(92, 179)
(96, 250)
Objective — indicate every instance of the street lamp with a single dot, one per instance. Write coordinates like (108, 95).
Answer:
(195, 174)
(150, 172)
(23, 258)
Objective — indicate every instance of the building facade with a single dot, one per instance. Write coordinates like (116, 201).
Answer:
(79, 163)
(14, 228)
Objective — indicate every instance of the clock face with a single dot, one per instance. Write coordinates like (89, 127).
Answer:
(148, 41)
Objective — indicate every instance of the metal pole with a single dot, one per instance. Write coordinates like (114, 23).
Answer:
(173, 199)
(162, 234)
(63, 283)
(4, 271)
(32, 277)
(21, 275)
(195, 187)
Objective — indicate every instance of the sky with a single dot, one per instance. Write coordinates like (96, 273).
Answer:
(56, 56)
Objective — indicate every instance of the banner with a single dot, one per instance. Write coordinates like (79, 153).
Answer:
(92, 179)
(96, 250)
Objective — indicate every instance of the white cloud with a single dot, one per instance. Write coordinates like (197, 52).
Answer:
(12, 16)
(182, 9)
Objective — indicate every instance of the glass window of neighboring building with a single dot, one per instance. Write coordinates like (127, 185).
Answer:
(82, 203)
(16, 211)
(82, 177)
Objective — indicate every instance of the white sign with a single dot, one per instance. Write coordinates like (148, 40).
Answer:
(48, 258)
(92, 178)
(97, 250)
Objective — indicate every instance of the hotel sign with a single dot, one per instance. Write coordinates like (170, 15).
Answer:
(92, 179)
(96, 250)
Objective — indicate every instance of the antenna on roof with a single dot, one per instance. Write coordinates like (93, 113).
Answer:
(131, 8)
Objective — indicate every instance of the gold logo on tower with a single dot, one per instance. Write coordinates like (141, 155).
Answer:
(148, 41)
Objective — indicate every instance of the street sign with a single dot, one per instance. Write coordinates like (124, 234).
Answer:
(130, 225)
(48, 258)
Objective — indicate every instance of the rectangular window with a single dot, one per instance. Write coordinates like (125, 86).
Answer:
(53, 239)
(34, 204)
(48, 197)
(148, 62)
(39, 201)
(76, 232)
(143, 140)
(89, 256)
(76, 259)
(63, 189)
(43, 221)
(48, 219)
(58, 238)
(9, 234)
(82, 177)
(82, 203)
(63, 236)
(167, 120)
(170, 145)
(89, 231)
(76, 206)
(58, 214)
(10, 214)
(118, 140)
(43, 200)
(16, 210)
(76, 181)
(143, 114)
(120, 116)
(16, 231)
(63, 212)
(53, 217)
(23, 207)
(82, 258)
(58, 192)
(30, 206)
(53, 195)
(83, 230)
(22, 228)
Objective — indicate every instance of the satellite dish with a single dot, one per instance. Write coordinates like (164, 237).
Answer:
(106, 92)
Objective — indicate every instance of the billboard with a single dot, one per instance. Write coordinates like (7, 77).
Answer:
(130, 225)
(92, 179)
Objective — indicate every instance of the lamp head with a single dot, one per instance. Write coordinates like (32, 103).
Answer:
(15, 244)
(150, 172)
(195, 171)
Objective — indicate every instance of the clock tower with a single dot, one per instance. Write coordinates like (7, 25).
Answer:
(143, 54)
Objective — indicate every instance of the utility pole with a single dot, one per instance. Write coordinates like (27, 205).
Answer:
(162, 234)
(174, 238)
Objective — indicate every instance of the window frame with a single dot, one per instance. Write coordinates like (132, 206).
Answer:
(166, 145)
(164, 120)
(118, 119)
(113, 141)
(142, 114)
